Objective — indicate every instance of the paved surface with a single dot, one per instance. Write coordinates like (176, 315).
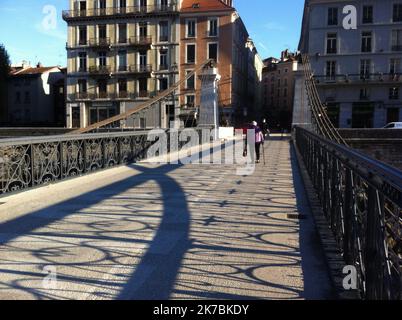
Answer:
(157, 232)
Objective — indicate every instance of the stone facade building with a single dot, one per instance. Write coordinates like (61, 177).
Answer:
(358, 70)
(121, 53)
(278, 90)
(36, 96)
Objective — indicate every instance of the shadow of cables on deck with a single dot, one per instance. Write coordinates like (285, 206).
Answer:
(65, 251)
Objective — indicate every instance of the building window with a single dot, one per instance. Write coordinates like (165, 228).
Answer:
(102, 32)
(143, 59)
(332, 16)
(364, 94)
(331, 43)
(82, 86)
(122, 4)
(82, 35)
(368, 14)
(143, 87)
(285, 92)
(123, 33)
(190, 101)
(190, 53)
(190, 83)
(123, 88)
(397, 40)
(191, 29)
(393, 93)
(102, 88)
(365, 66)
(367, 42)
(397, 16)
(163, 31)
(102, 59)
(164, 5)
(163, 84)
(143, 29)
(122, 56)
(82, 62)
(213, 27)
(330, 71)
(163, 60)
(213, 51)
(395, 66)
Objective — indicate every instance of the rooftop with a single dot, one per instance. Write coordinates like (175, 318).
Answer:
(206, 5)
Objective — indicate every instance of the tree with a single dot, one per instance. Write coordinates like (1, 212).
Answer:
(4, 74)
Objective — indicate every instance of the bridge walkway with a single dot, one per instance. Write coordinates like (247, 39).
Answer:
(149, 231)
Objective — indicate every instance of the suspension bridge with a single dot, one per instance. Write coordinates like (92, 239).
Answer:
(87, 215)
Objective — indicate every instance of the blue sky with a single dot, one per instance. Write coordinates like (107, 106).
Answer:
(274, 26)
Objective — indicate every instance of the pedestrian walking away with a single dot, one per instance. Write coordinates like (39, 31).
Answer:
(259, 140)
(265, 128)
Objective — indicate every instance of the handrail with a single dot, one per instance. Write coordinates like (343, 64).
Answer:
(143, 106)
(324, 124)
(362, 200)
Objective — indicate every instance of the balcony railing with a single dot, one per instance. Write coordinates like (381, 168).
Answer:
(397, 48)
(100, 42)
(99, 70)
(113, 11)
(140, 68)
(122, 95)
(359, 78)
(141, 41)
(163, 67)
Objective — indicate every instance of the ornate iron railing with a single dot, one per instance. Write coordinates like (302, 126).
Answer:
(362, 200)
(117, 11)
(29, 162)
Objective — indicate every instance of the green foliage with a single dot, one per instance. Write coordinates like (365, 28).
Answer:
(4, 63)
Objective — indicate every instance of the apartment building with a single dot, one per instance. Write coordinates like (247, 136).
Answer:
(120, 54)
(36, 96)
(358, 70)
(213, 29)
(278, 90)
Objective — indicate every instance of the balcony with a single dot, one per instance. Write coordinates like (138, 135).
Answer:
(140, 68)
(100, 70)
(141, 41)
(102, 43)
(104, 96)
(397, 48)
(80, 96)
(359, 79)
(163, 67)
(112, 12)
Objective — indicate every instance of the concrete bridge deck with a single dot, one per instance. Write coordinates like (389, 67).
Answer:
(166, 232)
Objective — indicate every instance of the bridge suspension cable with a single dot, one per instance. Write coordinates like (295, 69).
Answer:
(160, 97)
(324, 125)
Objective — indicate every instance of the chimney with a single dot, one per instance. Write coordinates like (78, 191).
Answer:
(39, 65)
(25, 64)
(228, 2)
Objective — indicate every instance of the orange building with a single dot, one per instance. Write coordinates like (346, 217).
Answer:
(212, 29)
